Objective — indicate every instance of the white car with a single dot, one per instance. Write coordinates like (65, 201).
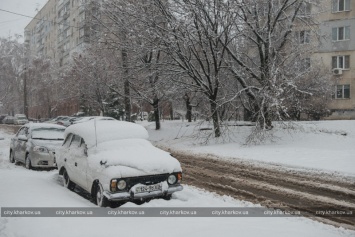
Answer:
(20, 119)
(114, 162)
(35, 143)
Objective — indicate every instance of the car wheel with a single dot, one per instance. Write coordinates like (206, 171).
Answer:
(67, 182)
(12, 157)
(101, 200)
(28, 162)
(167, 197)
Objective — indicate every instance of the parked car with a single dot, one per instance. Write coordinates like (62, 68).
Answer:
(57, 119)
(20, 119)
(114, 162)
(64, 121)
(35, 143)
(2, 117)
(8, 120)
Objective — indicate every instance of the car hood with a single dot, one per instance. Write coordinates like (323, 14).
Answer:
(49, 144)
(133, 157)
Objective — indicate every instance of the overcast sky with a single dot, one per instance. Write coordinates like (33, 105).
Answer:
(11, 24)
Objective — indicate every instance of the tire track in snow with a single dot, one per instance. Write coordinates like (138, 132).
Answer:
(272, 186)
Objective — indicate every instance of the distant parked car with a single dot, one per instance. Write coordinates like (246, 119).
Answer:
(20, 119)
(64, 121)
(8, 120)
(2, 117)
(56, 119)
(114, 162)
(35, 143)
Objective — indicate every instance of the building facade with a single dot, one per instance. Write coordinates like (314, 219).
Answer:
(59, 29)
(337, 52)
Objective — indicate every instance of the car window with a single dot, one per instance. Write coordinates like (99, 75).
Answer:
(76, 141)
(67, 140)
(82, 143)
(48, 133)
(21, 132)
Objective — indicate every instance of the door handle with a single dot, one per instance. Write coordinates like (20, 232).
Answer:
(76, 164)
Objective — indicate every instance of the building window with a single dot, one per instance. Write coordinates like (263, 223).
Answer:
(342, 62)
(303, 37)
(306, 64)
(342, 92)
(81, 32)
(341, 5)
(341, 33)
(305, 9)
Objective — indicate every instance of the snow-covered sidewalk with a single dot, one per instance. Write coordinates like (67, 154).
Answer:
(320, 146)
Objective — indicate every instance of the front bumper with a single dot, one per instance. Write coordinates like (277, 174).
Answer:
(124, 196)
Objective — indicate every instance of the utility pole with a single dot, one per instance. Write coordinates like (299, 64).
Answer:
(25, 106)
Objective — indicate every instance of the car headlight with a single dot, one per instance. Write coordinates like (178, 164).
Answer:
(172, 179)
(121, 184)
(40, 149)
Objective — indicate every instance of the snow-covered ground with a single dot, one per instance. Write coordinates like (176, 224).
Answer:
(27, 188)
(323, 145)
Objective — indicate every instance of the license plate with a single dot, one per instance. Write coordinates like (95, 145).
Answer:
(148, 188)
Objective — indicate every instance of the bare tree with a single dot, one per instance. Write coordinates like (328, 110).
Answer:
(265, 52)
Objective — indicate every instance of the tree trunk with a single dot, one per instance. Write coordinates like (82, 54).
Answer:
(171, 110)
(156, 112)
(188, 108)
(127, 101)
(215, 120)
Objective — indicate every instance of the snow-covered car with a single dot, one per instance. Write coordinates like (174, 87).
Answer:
(114, 162)
(20, 119)
(56, 119)
(35, 143)
(66, 121)
(8, 120)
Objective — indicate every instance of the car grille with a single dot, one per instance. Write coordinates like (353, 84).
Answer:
(147, 180)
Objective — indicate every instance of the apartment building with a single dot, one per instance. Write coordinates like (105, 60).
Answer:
(60, 28)
(337, 52)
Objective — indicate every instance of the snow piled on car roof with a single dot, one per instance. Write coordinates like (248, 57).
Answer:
(44, 125)
(106, 130)
(133, 155)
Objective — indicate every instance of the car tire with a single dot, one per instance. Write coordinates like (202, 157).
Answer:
(67, 182)
(12, 157)
(101, 200)
(28, 163)
(167, 197)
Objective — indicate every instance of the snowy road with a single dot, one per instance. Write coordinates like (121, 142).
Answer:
(273, 185)
(32, 188)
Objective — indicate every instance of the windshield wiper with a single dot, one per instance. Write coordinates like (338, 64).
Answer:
(51, 139)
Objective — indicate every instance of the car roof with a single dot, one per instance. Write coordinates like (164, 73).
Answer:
(106, 130)
(43, 125)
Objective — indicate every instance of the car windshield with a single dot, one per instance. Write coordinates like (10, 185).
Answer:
(21, 118)
(48, 133)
